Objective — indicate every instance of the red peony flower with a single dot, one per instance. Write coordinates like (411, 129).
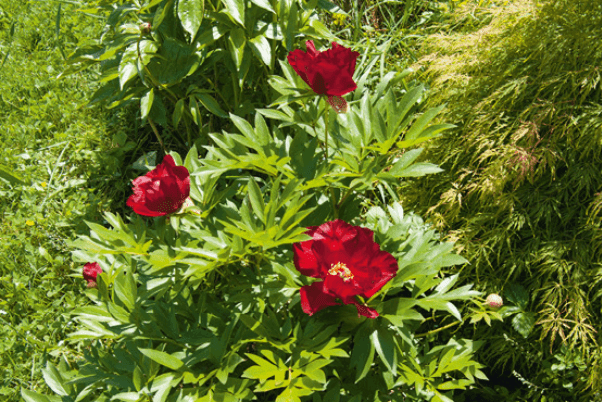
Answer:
(327, 73)
(90, 272)
(161, 191)
(349, 262)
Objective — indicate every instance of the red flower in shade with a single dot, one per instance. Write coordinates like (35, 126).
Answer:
(349, 262)
(161, 191)
(91, 271)
(327, 73)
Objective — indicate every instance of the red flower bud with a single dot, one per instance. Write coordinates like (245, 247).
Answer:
(349, 262)
(327, 73)
(161, 191)
(90, 272)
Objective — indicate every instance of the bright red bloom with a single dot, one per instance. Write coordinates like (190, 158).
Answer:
(349, 262)
(161, 191)
(327, 73)
(90, 272)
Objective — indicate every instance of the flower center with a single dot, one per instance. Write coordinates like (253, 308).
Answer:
(341, 270)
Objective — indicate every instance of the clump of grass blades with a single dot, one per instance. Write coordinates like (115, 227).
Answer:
(522, 187)
(58, 166)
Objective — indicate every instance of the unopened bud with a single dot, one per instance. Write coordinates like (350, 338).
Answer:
(145, 28)
(494, 300)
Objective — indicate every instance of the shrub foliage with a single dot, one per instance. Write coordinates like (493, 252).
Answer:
(521, 191)
(203, 304)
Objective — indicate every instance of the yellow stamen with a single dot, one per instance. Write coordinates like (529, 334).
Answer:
(341, 270)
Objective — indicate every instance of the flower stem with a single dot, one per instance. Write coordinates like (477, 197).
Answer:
(326, 110)
(434, 331)
(335, 210)
(157, 134)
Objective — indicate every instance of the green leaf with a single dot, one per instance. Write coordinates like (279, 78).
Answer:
(177, 113)
(265, 4)
(8, 175)
(211, 104)
(461, 383)
(362, 355)
(255, 326)
(245, 127)
(421, 123)
(54, 380)
(126, 289)
(256, 199)
(517, 294)
(163, 358)
(418, 169)
(330, 7)
(126, 397)
(262, 131)
(406, 159)
(190, 13)
(385, 347)
(146, 102)
(127, 71)
(175, 60)
(236, 43)
(31, 396)
(261, 47)
(291, 27)
(264, 370)
(236, 9)
(138, 378)
(524, 323)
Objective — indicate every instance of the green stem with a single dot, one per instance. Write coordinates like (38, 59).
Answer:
(434, 331)
(326, 110)
(157, 134)
(335, 210)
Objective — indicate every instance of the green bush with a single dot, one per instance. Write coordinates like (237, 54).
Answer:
(521, 191)
(188, 63)
(204, 304)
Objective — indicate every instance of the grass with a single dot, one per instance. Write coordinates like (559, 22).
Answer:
(59, 164)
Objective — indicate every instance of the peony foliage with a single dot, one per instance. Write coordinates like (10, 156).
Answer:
(275, 263)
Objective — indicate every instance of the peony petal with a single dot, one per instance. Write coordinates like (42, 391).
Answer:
(341, 56)
(311, 49)
(328, 78)
(335, 286)
(141, 209)
(300, 62)
(141, 181)
(183, 178)
(305, 259)
(329, 72)
(386, 266)
(165, 196)
(313, 298)
(137, 202)
(168, 161)
(91, 271)
(365, 311)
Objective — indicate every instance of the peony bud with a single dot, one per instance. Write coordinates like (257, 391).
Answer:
(145, 28)
(90, 272)
(494, 300)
